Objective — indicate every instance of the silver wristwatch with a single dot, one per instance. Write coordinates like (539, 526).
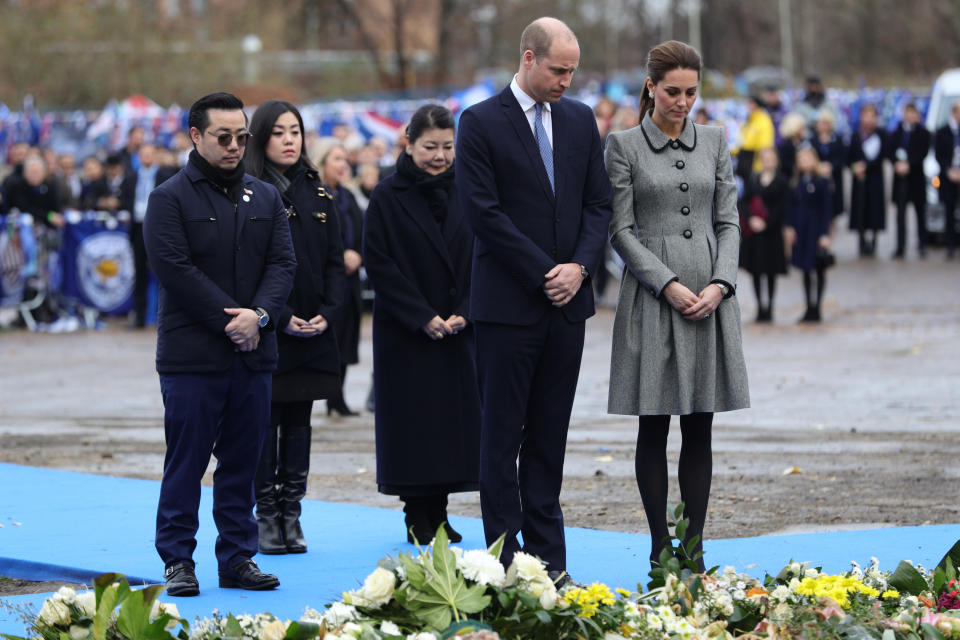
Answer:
(723, 288)
(263, 318)
(583, 272)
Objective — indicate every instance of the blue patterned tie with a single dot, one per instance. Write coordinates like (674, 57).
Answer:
(543, 143)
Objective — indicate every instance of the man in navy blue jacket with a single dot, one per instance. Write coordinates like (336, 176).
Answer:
(532, 184)
(219, 244)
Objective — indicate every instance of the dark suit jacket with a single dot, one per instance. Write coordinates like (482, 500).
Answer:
(918, 145)
(943, 150)
(522, 229)
(209, 253)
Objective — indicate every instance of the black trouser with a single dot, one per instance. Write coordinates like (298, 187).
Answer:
(903, 197)
(695, 472)
(948, 194)
(528, 377)
(141, 274)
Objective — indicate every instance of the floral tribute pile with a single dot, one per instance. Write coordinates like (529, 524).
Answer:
(442, 593)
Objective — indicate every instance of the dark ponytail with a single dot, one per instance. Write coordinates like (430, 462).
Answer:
(663, 58)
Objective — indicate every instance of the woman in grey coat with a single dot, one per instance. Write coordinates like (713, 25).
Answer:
(676, 337)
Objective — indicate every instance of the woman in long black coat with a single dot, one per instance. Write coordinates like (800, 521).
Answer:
(309, 364)
(417, 251)
(762, 252)
(333, 170)
(866, 153)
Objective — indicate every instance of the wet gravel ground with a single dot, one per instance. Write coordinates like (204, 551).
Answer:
(855, 422)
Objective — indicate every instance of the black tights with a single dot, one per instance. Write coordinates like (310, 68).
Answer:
(771, 289)
(695, 471)
(808, 286)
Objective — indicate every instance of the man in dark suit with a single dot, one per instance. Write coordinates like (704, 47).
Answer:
(909, 145)
(219, 244)
(946, 148)
(532, 184)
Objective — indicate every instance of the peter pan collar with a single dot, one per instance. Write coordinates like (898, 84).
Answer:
(658, 140)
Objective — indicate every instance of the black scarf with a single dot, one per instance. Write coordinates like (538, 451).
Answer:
(229, 180)
(435, 188)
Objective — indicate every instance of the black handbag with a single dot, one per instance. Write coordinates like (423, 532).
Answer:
(824, 258)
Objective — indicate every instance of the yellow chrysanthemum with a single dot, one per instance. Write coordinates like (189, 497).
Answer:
(837, 588)
(590, 599)
(623, 592)
(889, 594)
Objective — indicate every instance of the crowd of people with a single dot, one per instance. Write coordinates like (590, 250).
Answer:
(483, 243)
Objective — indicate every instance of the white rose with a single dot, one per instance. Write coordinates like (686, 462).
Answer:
(388, 628)
(378, 587)
(481, 567)
(351, 629)
(66, 595)
(87, 601)
(79, 633)
(548, 598)
(273, 631)
(528, 567)
(54, 612)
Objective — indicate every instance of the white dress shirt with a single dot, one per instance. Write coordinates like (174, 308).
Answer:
(529, 107)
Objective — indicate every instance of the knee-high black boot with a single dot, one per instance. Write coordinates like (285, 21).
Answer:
(292, 475)
(417, 517)
(438, 516)
(265, 490)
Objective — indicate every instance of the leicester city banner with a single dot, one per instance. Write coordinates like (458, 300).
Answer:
(97, 266)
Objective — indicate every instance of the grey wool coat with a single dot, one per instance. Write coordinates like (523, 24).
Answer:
(674, 218)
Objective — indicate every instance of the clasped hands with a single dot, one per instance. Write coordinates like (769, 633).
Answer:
(244, 329)
(562, 283)
(300, 328)
(691, 306)
(438, 328)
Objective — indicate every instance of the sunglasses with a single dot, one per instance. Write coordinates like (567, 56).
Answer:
(224, 139)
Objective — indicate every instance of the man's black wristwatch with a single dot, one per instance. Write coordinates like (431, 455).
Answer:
(263, 318)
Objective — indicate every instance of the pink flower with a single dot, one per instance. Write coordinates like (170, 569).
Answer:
(931, 618)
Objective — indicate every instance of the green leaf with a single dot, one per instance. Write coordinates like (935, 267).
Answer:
(106, 602)
(681, 530)
(930, 632)
(474, 599)
(232, 628)
(104, 581)
(133, 620)
(302, 631)
(953, 556)
(542, 616)
(464, 627)
(497, 547)
(906, 579)
(436, 617)
(939, 579)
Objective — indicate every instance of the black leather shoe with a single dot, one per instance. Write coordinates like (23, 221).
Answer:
(562, 579)
(247, 575)
(181, 580)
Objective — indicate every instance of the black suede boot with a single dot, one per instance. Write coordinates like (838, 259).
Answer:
(265, 490)
(438, 516)
(418, 519)
(292, 475)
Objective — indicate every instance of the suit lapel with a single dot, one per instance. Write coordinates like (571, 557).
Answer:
(560, 141)
(521, 125)
(415, 208)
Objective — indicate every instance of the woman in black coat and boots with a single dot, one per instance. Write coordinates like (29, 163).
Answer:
(418, 251)
(309, 365)
(334, 169)
(866, 153)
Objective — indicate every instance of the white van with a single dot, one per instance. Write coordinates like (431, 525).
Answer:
(946, 91)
